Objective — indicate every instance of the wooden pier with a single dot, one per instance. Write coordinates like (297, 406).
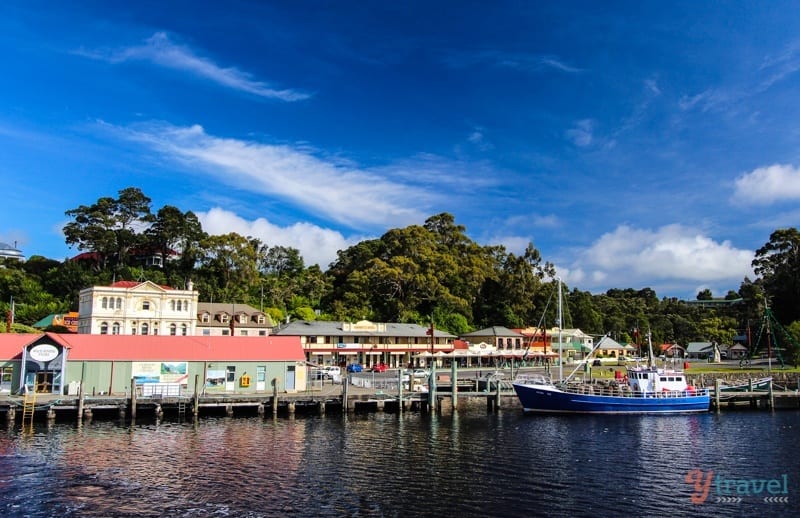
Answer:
(333, 399)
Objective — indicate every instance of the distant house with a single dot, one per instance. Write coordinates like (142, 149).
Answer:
(10, 252)
(699, 349)
(66, 320)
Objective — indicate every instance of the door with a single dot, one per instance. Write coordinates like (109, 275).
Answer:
(290, 378)
(261, 378)
(44, 382)
(230, 378)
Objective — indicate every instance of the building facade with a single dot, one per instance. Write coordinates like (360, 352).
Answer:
(53, 363)
(222, 319)
(367, 343)
(137, 308)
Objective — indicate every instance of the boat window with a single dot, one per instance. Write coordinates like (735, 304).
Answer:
(663, 378)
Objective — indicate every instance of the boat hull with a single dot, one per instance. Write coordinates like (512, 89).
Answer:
(551, 399)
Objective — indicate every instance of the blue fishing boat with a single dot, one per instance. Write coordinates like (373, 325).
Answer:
(643, 390)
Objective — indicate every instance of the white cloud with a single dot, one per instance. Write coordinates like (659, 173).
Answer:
(317, 245)
(582, 134)
(766, 185)
(340, 191)
(160, 50)
(670, 255)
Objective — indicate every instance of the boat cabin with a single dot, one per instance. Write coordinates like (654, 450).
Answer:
(656, 380)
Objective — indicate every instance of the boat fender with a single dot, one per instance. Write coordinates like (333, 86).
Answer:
(690, 389)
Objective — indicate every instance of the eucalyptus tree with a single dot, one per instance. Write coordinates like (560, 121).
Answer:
(177, 236)
(228, 269)
(110, 227)
(778, 264)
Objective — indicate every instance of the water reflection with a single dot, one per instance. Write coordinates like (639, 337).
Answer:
(466, 463)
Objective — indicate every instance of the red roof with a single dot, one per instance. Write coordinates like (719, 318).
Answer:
(133, 284)
(11, 344)
(83, 347)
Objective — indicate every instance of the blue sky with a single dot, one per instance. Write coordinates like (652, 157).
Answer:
(636, 144)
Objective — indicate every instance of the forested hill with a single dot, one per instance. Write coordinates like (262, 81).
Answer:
(413, 274)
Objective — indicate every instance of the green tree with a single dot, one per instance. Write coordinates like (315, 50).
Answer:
(778, 264)
(109, 226)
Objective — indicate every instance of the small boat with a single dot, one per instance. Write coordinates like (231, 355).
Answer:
(644, 390)
(756, 385)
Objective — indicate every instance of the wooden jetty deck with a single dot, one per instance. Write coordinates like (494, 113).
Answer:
(335, 398)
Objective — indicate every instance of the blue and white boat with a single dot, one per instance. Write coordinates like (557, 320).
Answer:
(644, 390)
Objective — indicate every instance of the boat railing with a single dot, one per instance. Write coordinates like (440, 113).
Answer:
(532, 379)
(626, 391)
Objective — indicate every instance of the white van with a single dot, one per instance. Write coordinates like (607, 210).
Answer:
(333, 370)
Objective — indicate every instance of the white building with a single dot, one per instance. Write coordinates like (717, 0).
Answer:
(137, 308)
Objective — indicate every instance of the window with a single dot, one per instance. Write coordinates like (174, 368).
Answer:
(223, 317)
(226, 332)
(146, 305)
(145, 329)
(242, 318)
(205, 317)
(115, 328)
(172, 305)
(262, 332)
(261, 320)
(206, 332)
(119, 302)
(243, 332)
(104, 303)
(183, 330)
(173, 329)
(104, 328)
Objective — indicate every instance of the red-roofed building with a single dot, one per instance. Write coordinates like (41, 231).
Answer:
(56, 363)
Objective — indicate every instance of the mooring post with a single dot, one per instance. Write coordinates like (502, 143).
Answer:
(80, 401)
(133, 398)
(196, 406)
(274, 396)
(771, 397)
(344, 393)
(717, 386)
(497, 400)
(454, 384)
(400, 388)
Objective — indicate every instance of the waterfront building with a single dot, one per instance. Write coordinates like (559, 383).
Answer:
(53, 363)
(223, 319)
(137, 308)
(545, 342)
(367, 343)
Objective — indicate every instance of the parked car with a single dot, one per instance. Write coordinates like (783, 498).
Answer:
(597, 362)
(381, 367)
(333, 371)
(317, 374)
(354, 367)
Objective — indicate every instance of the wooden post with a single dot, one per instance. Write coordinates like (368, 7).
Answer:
(717, 386)
(454, 384)
(497, 400)
(771, 397)
(400, 388)
(344, 393)
(133, 397)
(80, 401)
(274, 396)
(196, 405)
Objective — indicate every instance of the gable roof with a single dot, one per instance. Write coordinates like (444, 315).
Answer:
(328, 328)
(85, 347)
(493, 331)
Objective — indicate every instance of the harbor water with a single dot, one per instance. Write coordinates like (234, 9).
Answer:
(468, 463)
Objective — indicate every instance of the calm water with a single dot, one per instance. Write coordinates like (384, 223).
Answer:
(468, 464)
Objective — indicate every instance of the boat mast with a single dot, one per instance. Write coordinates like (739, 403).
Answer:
(651, 362)
(560, 347)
